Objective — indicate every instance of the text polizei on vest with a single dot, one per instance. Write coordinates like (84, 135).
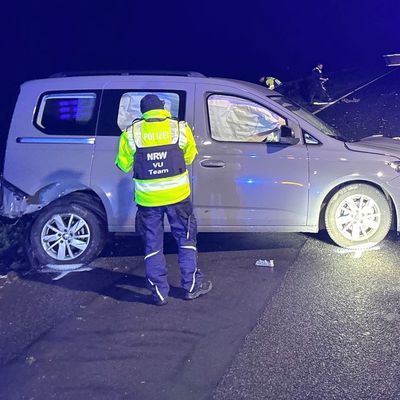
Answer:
(156, 136)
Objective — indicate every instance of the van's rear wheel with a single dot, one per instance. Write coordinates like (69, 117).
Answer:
(358, 216)
(67, 234)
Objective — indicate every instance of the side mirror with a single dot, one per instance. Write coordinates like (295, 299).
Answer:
(286, 131)
(287, 136)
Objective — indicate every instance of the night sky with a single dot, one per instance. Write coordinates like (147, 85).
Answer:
(242, 39)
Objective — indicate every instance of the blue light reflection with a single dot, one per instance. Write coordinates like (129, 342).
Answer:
(247, 181)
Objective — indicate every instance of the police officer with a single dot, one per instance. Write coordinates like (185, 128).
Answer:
(158, 148)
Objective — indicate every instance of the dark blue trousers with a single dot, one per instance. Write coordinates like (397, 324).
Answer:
(150, 225)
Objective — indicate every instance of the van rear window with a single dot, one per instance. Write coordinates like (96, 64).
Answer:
(129, 106)
(67, 113)
(119, 107)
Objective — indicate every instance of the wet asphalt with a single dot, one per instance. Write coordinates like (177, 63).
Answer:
(322, 324)
(331, 332)
(96, 335)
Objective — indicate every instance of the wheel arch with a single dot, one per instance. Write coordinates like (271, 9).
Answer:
(87, 198)
(83, 196)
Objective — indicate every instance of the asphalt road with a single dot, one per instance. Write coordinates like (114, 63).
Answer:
(95, 335)
(322, 324)
(331, 332)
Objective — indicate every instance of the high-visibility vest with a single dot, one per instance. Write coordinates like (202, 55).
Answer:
(272, 82)
(162, 142)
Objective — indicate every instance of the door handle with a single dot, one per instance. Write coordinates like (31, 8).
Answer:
(212, 163)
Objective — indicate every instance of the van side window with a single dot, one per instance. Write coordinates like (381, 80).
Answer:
(67, 113)
(119, 108)
(234, 119)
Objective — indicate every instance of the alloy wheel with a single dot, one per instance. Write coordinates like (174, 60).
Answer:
(358, 217)
(65, 236)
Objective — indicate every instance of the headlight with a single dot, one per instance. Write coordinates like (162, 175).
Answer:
(395, 165)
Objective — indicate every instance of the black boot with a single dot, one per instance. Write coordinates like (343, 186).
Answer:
(203, 289)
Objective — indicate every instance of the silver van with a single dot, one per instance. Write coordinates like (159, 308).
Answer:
(264, 163)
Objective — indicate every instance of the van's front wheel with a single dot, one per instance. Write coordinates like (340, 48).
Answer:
(358, 216)
(66, 234)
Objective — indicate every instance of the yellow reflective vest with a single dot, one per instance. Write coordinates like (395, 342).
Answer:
(272, 82)
(157, 129)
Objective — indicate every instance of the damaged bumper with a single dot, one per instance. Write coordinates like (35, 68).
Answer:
(14, 202)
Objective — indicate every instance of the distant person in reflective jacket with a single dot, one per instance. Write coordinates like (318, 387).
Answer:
(270, 82)
(318, 93)
(158, 148)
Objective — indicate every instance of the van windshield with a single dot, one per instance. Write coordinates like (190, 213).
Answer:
(307, 116)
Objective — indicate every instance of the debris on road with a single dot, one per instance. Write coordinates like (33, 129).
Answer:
(30, 360)
(265, 263)
(63, 267)
(64, 270)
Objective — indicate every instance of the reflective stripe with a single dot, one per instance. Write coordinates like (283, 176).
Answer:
(138, 133)
(152, 254)
(189, 247)
(131, 141)
(159, 294)
(174, 131)
(182, 134)
(194, 280)
(157, 291)
(162, 197)
(164, 184)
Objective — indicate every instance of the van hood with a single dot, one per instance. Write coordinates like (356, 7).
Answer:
(377, 145)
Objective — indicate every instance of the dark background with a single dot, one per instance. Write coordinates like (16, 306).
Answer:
(243, 39)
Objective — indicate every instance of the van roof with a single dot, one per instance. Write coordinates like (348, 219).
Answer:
(101, 79)
(127, 72)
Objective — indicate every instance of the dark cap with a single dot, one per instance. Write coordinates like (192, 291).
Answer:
(151, 102)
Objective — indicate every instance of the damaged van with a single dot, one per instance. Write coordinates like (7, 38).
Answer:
(264, 163)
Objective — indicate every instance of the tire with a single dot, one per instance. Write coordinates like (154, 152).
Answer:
(358, 216)
(66, 234)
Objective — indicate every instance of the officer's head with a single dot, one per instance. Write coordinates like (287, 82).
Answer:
(151, 102)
